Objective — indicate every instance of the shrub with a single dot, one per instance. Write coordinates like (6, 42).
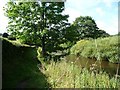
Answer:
(77, 48)
(5, 35)
(11, 38)
(39, 56)
(101, 48)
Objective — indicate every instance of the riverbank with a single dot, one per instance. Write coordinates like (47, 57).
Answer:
(110, 68)
(100, 49)
(68, 75)
(20, 71)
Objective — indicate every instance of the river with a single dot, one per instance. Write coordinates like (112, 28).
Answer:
(108, 67)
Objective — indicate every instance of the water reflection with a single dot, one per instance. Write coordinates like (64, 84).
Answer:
(110, 68)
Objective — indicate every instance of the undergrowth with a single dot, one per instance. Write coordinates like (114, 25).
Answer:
(101, 49)
(67, 75)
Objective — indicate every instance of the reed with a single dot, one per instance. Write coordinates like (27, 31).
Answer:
(67, 75)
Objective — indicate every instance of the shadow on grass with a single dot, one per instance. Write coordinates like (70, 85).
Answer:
(19, 67)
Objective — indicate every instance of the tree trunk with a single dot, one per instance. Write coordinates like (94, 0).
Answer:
(44, 25)
(43, 46)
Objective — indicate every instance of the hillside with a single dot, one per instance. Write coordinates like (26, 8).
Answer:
(19, 67)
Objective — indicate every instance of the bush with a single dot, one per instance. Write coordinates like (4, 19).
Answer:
(39, 56)
(11, 38)
(101, 48)
(77, 48)
(5, 35)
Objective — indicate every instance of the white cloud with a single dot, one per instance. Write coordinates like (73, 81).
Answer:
(82, 4)
(111, 28)
(109, 2)
(72, 13)
(100, 11)
(4, 20)
(87, 7)
(76, 8)
(114, 25)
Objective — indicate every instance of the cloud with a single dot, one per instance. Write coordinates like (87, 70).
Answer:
(111, 28)
(76, 8)
(72, 13)
(109, 2)
(82, 4)
(103, 14)
(4, 20)
(100, 11)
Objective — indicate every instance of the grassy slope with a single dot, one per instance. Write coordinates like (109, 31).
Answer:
(19, 67)
(20, 70)
(101, 49)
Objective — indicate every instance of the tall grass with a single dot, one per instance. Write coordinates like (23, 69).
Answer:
(68, 75)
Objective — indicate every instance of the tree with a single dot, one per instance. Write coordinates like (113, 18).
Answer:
(102, 33)
(38, 23)
(5, 35)
(118, 33)
(87, 28)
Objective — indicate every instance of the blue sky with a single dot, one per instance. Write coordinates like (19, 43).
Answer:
(104, 12)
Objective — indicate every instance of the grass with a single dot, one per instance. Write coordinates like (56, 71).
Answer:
(19, 65)
(17, 43)
(67, 75)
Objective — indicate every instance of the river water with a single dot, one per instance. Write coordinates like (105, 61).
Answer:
(108, 67)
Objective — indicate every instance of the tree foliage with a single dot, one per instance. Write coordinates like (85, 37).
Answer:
(102, 33)
(87, 28)
(38, 23)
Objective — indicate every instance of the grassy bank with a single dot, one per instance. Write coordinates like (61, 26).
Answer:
(19, 66)
(101, 49)
(68, 75)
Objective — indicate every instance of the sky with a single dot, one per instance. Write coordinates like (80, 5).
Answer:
(104, 12)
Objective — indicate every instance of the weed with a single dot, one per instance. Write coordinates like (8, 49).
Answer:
(68, 75)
